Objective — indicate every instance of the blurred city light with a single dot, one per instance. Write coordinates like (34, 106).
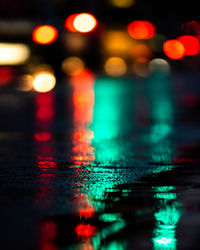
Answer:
(85, 231)
(43, 136)
(75, 42)
(72, 65)
(83, 79)
(44, 82)
(25, 83)
(141, 29)
(87, 211)
(84, 23)
(190, 43)
(45, 34)
(117, 42)
(140, 67)
(122, 3)
(69, 23)
(174, 49)
(159, 65)
(13, 53)
(45, 108)
(115, 66)
(6, 75)
(141, 50)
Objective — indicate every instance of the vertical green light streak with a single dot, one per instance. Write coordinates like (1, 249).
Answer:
(168, 211)
(107, 116)
(108, 112)
(162, 117)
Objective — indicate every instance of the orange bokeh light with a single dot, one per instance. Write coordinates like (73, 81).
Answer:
(69, 23)
(84, 23)
(174, 49)
(83, 79)
(141, 29)
(45, 34)
(190, 43)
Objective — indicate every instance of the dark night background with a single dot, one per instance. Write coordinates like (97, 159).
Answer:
(100, 162)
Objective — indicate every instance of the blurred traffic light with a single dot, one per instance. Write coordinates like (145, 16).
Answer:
(141, 29)
(45, 34)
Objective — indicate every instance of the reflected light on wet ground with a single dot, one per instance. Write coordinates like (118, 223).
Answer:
(101, 163)
(167, 215)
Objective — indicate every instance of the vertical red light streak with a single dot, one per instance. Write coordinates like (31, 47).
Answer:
(46, 163)
(83, 152)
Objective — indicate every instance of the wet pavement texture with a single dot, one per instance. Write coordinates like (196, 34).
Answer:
(110, 165)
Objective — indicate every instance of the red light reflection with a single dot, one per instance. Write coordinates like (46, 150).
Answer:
(45, 150)
(44, 107)
(42, 136)
(6, 75)
(85, 231)
(83, 99)
(48, 234)
(87, 212)
(82, 151)
(83, 80)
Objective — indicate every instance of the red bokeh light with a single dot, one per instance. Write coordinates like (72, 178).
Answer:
(174, 49)
(83, 79)
(45, 103)
(6, 75)
(191, 28)
(48, 234)
(190, 43)
(43, 136)
(69, 23)
(141, 29)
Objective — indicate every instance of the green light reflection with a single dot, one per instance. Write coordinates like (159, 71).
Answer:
(110, 217)
(167, 217)
(162, 117)
(107, 129)
(108, 110)
(158, 91)
(104, 233)
(168, 210)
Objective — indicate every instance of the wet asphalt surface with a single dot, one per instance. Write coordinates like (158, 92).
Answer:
(109, 165)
